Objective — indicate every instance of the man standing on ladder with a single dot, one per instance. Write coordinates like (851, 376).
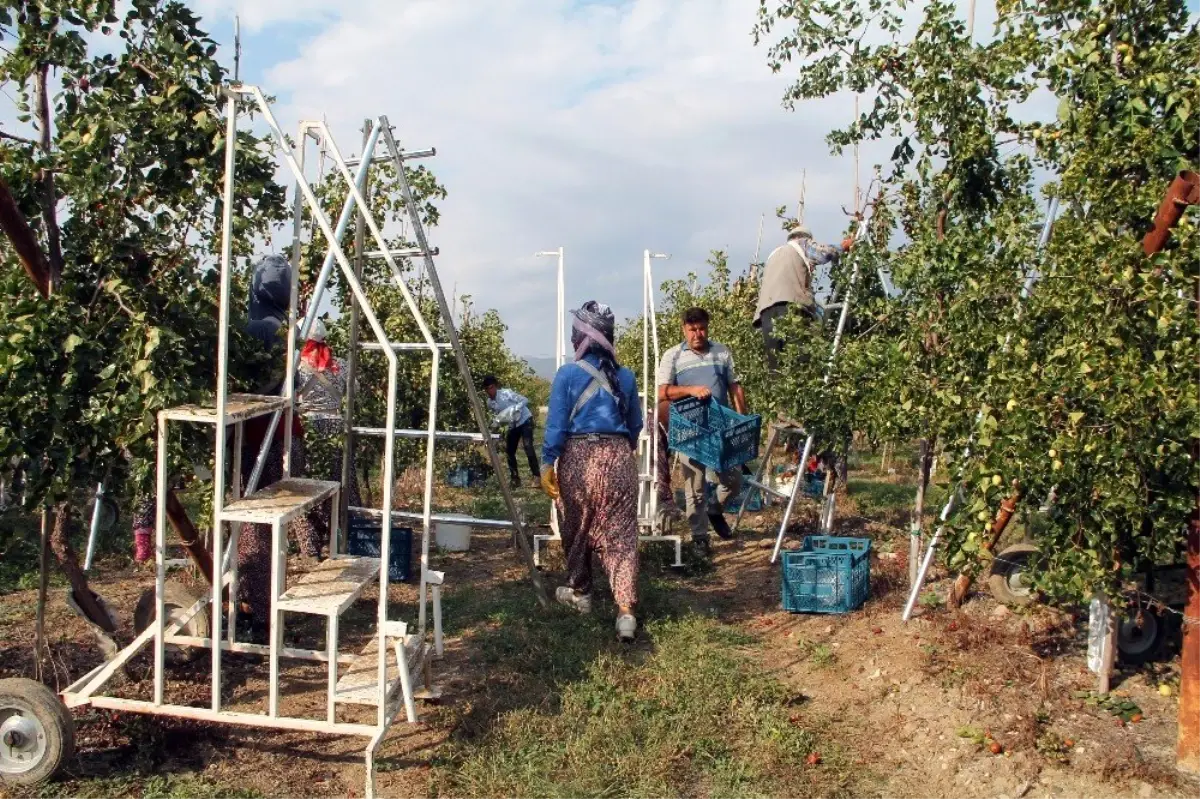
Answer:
(512, 409)
(787, 280)
(698, 368)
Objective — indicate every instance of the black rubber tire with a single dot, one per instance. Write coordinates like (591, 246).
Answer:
(30, 698)
(1135, 645)
(1003, 581)
(178, 599)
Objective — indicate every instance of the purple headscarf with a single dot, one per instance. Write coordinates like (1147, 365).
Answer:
(594, 325)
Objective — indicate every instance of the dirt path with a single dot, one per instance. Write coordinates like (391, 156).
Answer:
(912, 703)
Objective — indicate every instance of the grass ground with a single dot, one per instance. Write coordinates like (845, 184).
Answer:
(722, 695)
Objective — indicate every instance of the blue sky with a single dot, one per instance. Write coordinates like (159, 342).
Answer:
(603, 126)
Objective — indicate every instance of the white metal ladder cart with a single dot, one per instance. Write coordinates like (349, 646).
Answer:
(382, 675)
(649, 524)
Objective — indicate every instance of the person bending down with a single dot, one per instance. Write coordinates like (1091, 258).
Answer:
(512, 409)
(588, 466)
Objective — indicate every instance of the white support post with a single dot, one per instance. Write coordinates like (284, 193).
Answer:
(650, 355)
(331, 648)
(560, 348)
(93, 529)
(278, 553)
(160, 564)
(426, 521)
(231, 113)
(235, 532)
(438, 645)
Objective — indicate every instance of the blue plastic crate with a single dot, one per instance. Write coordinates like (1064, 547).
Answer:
(363, 538)
(708, 432)
(829, 575)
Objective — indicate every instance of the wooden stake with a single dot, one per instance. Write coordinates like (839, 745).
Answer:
(1187, 751)
(39, 633)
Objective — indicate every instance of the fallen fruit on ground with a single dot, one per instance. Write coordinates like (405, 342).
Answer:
(813, 759)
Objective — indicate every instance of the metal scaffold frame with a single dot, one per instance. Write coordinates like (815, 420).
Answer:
(381, 676)
(649, 524)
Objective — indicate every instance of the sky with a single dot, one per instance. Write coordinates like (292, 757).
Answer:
(603, 127)
(606, 127)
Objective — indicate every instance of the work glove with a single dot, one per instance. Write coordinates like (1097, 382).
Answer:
(550, 482)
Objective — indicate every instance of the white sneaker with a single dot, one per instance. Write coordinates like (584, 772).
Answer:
(626, 627)
(567, 596)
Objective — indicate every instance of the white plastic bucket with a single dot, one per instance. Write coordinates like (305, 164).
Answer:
(453, 536)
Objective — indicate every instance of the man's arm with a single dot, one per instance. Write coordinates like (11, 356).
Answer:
(739, 398)
(822, 253)
(672, 392)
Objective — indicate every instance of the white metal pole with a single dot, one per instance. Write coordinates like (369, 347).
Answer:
(160, 565)
(652, 384)
(222, 364)
(559, 346)
(426, 520)
(562, 313)
(91, 544)
(343, 223)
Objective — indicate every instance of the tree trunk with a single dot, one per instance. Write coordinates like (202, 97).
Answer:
(1187, 751)
(917, 528)
(177, 516)
(61, 544)
(49, 196)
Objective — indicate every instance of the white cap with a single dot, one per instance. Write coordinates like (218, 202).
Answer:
(317, 333)
(799, 230)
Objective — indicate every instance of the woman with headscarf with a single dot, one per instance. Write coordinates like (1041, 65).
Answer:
(321, 385)
(588, 466)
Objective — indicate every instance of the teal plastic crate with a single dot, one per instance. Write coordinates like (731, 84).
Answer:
(829, 574)
(708, 432)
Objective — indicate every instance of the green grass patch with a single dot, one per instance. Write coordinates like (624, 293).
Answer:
(692, 714)
(170, 786)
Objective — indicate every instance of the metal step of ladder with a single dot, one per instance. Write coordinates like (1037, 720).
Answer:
(280, 502)
(330, 588)
(360, 684)
(238, 408)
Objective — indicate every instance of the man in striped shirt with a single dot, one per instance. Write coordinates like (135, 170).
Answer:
(697, 368)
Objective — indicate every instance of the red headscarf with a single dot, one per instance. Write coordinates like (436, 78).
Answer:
(318, 355)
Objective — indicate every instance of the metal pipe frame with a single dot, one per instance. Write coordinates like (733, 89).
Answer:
(356, 289)
(560, 346)
(520, 535)
(398, 276)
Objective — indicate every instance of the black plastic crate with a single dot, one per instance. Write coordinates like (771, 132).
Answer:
(363, 536)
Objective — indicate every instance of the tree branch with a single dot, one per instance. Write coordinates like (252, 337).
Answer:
(20, 139)
(21, 235)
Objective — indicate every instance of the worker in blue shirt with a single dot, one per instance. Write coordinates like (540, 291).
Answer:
(588, 465)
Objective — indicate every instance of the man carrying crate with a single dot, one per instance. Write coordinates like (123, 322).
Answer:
(697, 368)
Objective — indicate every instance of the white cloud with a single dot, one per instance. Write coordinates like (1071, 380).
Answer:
(603, 127)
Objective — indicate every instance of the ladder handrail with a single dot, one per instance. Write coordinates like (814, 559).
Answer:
(521, 534)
